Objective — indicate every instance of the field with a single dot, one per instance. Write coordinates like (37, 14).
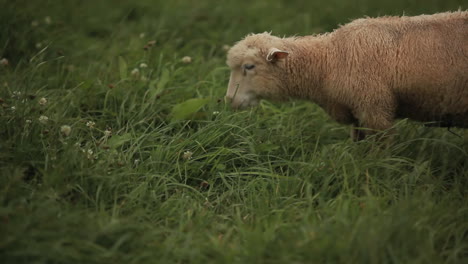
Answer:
(114, 148)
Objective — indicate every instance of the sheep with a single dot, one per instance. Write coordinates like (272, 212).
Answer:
(366, 73)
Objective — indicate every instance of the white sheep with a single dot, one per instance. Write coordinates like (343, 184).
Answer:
(365, 73)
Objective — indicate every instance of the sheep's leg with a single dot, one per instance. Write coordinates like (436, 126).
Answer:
(374, 120)
(356, 133)
(343, 114)
(375, 113)
(340, 113)
(374, 108)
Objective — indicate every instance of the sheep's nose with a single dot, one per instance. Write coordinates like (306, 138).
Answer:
(227, 99)
(231, 102)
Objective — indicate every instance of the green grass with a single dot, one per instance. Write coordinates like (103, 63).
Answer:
(280, 183)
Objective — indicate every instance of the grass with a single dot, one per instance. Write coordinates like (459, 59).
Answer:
(136, 181)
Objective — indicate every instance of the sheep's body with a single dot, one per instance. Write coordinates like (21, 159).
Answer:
(365, 73)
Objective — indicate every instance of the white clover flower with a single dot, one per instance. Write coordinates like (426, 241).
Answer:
(107, 133)
(48, 20)
(89, 154)
(143, 65)
(187, 155)
(186, 59)
(65, 130)
(90, 124)
(16, 94)
(34, 23)
(226, 47)
(4, 62)
(43, 119)
(43, 101)
(135, 73)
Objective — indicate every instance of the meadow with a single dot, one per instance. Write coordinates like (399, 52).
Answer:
(116, 145)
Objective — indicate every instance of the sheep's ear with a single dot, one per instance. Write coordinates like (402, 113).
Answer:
(275, 54)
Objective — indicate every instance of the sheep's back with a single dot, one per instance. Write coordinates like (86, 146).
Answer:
(422, 61)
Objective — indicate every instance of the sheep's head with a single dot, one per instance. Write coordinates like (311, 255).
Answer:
(256, 64)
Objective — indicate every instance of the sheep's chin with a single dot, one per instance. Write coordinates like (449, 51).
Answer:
(252, 102)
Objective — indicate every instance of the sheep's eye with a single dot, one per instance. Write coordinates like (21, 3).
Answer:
(249, 66)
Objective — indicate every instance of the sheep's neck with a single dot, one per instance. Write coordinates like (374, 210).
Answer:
(306, 69)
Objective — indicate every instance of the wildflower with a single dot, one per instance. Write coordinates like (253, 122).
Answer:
(136, 162)
(143, 65)
(4, 62)
(65, 130)
(16, 94)
(28, 121)
(142, 35)
(216, 113)
(226, 47)
(13, 108)
(108, 133)
(135, 73)
(89, 154)
(43, 119)
(186, 59)
(149, 44)
(48, 20)
(43, 101)
(205, 185)
(90, 124)
(34, 23)
(187, 155)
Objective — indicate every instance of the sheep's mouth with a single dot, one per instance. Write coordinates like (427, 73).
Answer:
(252, 103)
(245, 103)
